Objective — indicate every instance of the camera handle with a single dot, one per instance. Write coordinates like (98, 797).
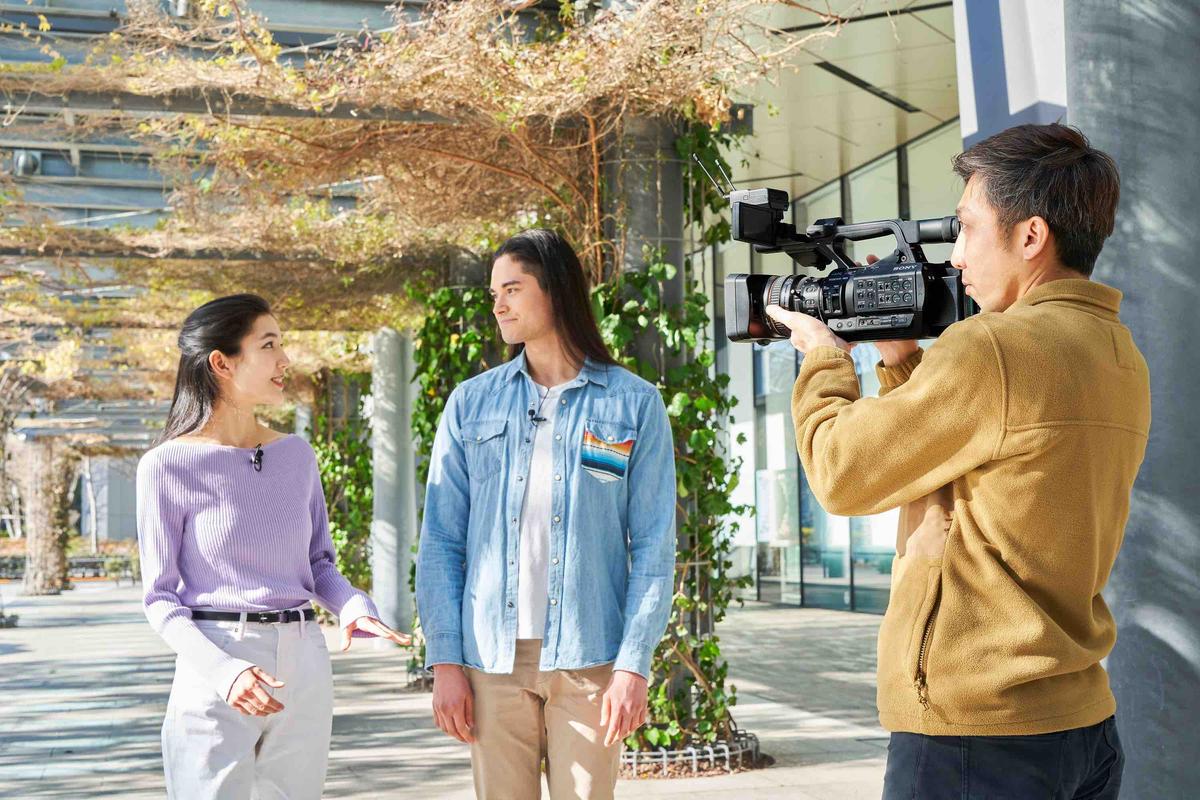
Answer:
(820, 244)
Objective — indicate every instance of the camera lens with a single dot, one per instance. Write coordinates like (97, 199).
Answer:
(778, 292)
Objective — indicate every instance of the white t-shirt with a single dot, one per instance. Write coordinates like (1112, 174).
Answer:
(534, 575)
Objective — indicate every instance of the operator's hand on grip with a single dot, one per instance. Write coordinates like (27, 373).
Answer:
(894, 351)
(807, 332)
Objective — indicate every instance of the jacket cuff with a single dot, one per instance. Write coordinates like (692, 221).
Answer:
(445, 649)
(825, 352)
(635, 657)
(893, 377)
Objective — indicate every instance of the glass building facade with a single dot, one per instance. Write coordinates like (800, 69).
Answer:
(796, 552)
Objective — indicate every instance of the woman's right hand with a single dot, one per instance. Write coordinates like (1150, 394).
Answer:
(248, 696)
(453, 702)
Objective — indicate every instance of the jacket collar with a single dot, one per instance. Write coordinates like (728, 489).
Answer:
(1101, 298)
(591, 371)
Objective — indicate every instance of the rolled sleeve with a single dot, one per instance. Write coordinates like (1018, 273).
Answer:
(443, 547)
(650, 591)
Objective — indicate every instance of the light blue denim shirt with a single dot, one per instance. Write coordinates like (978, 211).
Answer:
(612, 533)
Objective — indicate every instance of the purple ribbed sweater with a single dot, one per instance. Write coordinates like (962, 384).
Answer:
(214, 533)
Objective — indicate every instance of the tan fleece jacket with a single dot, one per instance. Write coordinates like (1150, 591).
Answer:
(1011, 447)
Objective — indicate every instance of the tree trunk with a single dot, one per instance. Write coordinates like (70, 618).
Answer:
(43, 469)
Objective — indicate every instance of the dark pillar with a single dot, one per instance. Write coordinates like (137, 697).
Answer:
(1133, 78)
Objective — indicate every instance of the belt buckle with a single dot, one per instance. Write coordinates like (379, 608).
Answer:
(264, 616)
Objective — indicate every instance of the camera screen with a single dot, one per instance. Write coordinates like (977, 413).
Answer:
(755, 224)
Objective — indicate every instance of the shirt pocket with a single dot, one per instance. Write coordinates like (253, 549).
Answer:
(483, 441)
(606, 449)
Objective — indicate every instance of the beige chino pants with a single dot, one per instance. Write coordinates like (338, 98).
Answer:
(530, 715)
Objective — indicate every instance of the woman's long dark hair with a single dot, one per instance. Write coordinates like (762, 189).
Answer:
(549, 258)
(219, 324)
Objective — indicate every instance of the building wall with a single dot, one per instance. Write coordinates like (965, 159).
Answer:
(114, 482)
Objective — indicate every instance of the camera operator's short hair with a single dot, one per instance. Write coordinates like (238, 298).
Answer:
(1049, 171)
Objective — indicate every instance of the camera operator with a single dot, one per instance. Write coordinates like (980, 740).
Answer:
(1011, 447)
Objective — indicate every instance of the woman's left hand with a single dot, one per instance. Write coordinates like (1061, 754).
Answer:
(372, 625)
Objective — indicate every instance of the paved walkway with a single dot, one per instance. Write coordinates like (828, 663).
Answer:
(84, 682)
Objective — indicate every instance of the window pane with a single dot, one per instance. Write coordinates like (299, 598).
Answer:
(821, 204)
(776, 479)
(933, 188)
(874, 194)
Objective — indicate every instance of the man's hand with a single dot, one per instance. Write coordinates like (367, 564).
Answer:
(249, 696)
(453, 702)
(807, 332)
(623, 708)
(372, 625)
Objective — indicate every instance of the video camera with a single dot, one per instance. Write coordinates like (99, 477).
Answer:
(901, 296)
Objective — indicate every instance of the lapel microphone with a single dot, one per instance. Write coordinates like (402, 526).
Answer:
(258, 458)
(535, 418)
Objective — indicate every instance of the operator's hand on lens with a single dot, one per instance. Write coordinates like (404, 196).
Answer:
(373, 626)
(623, 707)
(807, 332)
(249, 693)
(453, 702)
(896, 351)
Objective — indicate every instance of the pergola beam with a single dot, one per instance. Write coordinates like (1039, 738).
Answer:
(34, 100)
(170, 254)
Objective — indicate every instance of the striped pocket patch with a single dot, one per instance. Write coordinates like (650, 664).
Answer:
(604, 458)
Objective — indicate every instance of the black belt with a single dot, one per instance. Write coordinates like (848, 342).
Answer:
(291, 615)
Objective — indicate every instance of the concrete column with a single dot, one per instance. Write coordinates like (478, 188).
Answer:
(1133, 76)
(394, 522)
(645, 176)
(303, 421)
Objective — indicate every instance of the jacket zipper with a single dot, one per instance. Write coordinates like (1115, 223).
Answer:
(921, 684)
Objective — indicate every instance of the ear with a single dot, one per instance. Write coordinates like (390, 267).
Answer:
(218, 362)
(1035, 238)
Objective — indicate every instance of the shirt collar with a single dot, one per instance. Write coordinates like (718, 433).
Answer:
(591, 371)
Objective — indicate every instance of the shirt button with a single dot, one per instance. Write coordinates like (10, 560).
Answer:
(558, 477)
(514, 519)
(479, 438)
(553, 602)
(555, 560)
(510, 603)
(612, 438)
(520, 479)
(558, 436)
(563, 401)
(557, 518)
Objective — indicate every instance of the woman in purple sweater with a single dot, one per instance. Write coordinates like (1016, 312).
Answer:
(235, 544)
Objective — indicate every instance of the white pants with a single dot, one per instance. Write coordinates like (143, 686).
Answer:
(212, 751)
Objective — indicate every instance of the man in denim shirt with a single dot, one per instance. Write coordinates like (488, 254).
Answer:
(546, 568)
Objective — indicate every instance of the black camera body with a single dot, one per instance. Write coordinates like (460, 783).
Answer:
(901, 296)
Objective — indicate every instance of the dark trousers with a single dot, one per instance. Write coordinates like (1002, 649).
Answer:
(1079, 764)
